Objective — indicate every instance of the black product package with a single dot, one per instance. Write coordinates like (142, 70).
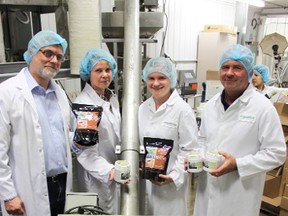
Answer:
(156, 157)
(88, 119)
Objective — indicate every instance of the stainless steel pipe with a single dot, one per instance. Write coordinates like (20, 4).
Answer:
(131, 100)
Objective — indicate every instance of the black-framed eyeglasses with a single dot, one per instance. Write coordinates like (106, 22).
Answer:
(50, 54)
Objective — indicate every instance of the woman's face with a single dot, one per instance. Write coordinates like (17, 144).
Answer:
(101, 76)
(159, 86)
(257, 81)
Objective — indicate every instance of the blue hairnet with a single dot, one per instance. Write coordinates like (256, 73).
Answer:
(263, 71)
(91, 58)
(241, 54)
(42, 39)
(161, 65)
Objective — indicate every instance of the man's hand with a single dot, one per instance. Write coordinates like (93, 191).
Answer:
(229, 165)
(15, 206)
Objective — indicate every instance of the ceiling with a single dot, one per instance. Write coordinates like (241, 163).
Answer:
(276, 4)
(274, 8)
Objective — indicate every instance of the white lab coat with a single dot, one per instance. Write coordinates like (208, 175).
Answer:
(98, 160)
(249, 130)
(22, 164)
(270, 91)
(173, 120)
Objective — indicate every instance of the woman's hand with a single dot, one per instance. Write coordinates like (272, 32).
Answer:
(112, 174)
(167, 180)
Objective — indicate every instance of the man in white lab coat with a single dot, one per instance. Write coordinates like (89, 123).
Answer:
(245, 128)
(34, 140)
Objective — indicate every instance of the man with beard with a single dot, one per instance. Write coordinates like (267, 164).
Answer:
(35, 153)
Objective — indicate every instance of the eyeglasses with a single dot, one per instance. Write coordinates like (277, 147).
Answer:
(49, 55)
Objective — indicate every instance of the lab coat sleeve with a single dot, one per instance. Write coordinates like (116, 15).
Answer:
(272, 152)
(95, 164)
(7, 189)
(187, 134)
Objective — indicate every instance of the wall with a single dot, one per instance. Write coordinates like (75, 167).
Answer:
(186, 19)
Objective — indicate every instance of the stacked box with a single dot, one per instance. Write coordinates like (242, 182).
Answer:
(272, 186)
(221, 28)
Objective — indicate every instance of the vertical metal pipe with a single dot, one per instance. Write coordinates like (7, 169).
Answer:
(2, 45)
(131, 100)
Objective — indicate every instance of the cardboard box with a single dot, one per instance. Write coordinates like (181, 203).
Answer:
(285, 130)
(212, 75)
(275, 202)
(221, 28)
(272, 186)
(283, 212)
(285, 193)
(282, 110)
(284, 203)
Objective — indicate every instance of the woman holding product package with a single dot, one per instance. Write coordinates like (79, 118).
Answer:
(166, 115)
(96, 170)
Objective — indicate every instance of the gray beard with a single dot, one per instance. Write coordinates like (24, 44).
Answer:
(47, 74)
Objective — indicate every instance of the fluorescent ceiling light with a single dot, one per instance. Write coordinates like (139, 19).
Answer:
(257, 3)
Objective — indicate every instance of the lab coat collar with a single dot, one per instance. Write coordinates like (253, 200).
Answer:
(244, 98)
(22, 85)
(92, 94)
(171, 100)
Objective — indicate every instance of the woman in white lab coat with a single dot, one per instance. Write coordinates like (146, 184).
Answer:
(246, 130)
(261, 76)
(25, 148)
(166, 115)
(96, 170)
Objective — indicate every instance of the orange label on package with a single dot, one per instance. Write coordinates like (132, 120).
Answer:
(87, 120)
(156, 158)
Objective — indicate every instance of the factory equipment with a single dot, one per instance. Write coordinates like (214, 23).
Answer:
(150, 22)
(113, 31)
(187, 82)
(274, 45)
(113, 28)
(19, 21)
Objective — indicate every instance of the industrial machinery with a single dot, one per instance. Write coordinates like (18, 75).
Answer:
(22, 18)
(113, 33)
(274, 45)
(19, 21)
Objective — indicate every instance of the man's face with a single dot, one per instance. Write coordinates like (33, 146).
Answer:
(257, 81)
(233, 77)
(46, 63)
